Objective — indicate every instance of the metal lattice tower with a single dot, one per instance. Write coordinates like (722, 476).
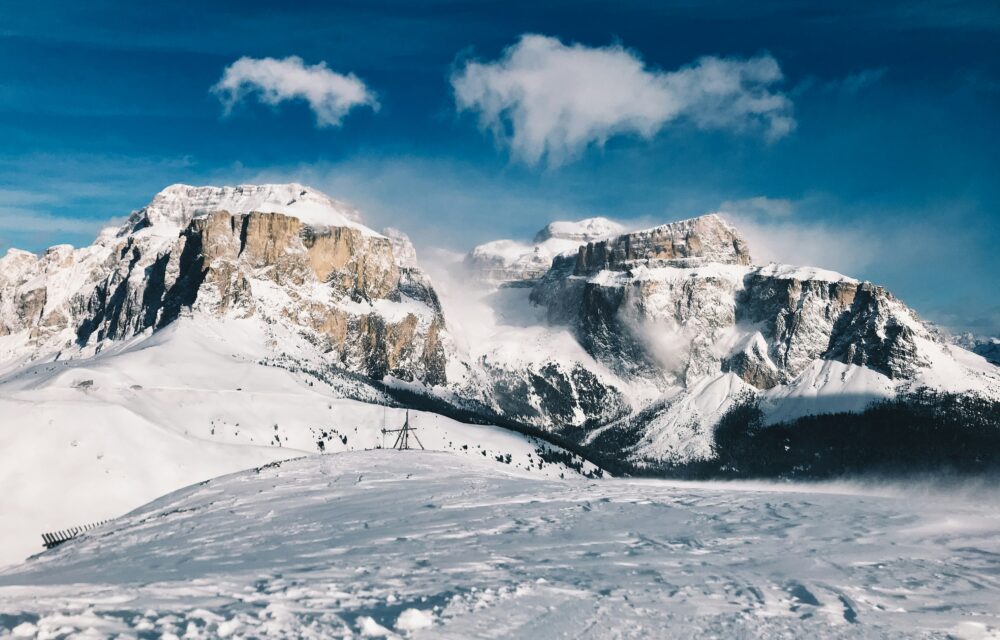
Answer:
(403, 435)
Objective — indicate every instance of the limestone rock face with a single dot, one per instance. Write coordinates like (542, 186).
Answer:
(634, 344)
(402, 248)
(680, 302)
(753, 364)
(341, 286)
(707, 238)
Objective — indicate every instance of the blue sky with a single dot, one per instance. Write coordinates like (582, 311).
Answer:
(891, 171)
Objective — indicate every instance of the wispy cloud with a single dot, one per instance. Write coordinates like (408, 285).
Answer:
(846, 86)
(329, 94)
(832, 246)
(546, 99)
(855, 82)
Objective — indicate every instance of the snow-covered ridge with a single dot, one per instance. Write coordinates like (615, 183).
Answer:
(792, 272)
(176, 206)
(85, 439)
(505, 260)
(283, 253)
(586, 230)
(668, 325)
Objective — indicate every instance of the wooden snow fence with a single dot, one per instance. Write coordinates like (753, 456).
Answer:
(56, 538)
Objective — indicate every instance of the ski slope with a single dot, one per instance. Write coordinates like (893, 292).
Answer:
(87, 439)
(440, 545)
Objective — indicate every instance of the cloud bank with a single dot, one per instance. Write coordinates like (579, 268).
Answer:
(547, 100)
(330, 95)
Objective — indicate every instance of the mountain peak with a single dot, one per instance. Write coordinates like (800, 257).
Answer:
(174, 207)
(706, 238)
(586, 230)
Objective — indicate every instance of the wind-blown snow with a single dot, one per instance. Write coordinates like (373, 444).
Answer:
(436, 545)
(586, 230)
(792, 272)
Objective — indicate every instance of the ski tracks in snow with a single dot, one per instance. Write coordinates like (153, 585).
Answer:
(438, 545)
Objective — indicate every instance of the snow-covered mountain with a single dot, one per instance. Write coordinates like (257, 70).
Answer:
(682, 306)
(219, 326)
(282, 254)
(987, 347)
(505, 261)
(202, 337)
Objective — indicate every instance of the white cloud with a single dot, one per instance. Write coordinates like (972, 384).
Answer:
(549, 100)
(330, 95)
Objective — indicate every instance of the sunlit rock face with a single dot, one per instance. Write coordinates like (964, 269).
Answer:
(682, 301)
(705, 239)
(682, 308)
(331, 277)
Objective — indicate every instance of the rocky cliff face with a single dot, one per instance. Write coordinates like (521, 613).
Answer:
(706, 239)
(338, 283)
(682, 307)
(681, 301)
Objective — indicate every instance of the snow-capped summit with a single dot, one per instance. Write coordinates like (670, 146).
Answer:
(173, 208)
(502, 261)
(586, 230)
(283, 254)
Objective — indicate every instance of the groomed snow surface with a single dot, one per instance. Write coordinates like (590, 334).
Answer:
(437, 545)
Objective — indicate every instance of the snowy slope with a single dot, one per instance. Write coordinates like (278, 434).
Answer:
(88, 439)
(436, 545)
